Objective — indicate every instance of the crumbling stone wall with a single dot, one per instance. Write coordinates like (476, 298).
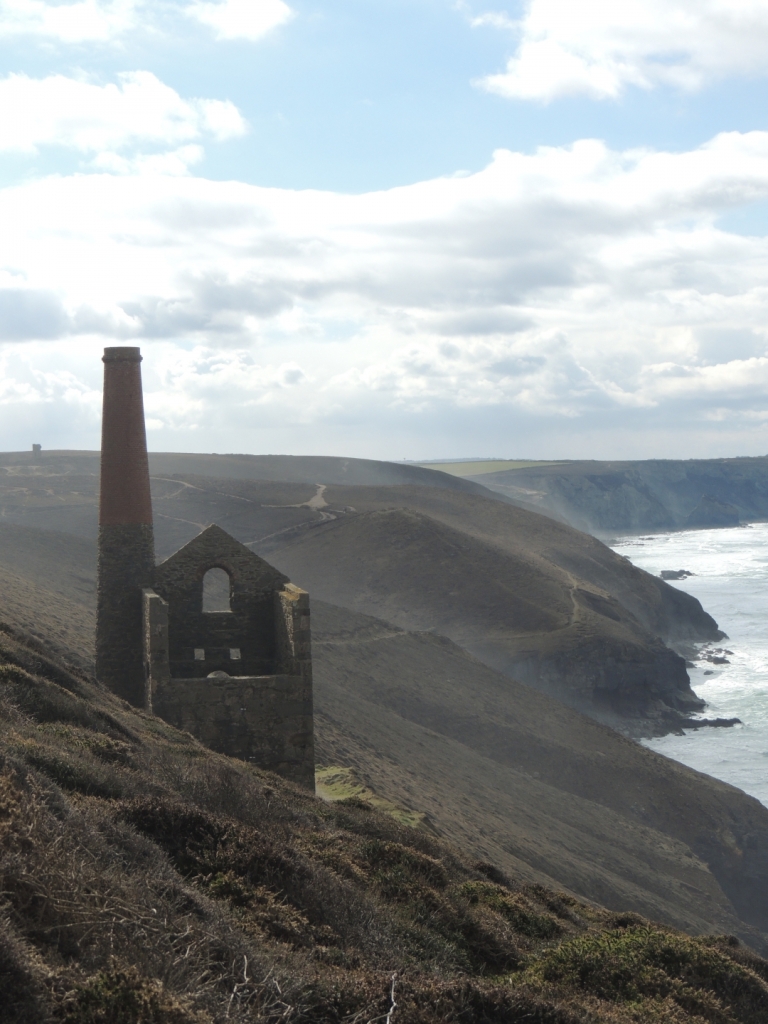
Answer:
(256, 705)
(266, 720)
(293, 637)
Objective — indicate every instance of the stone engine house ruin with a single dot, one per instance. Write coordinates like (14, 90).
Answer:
(240, 678)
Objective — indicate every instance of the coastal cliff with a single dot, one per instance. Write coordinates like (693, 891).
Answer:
(530, 597)
(635, 497)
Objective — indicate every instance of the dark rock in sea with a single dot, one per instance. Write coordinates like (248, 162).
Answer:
(715, 656)
(712, 512)
(714, 723)
(675, 574)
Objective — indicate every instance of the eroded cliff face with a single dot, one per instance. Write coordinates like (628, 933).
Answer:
(634, 497)
(541, 603)
(640, 692)
(616, 672)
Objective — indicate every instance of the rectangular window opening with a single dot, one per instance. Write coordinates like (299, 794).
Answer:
(234, 654)
(199, 654)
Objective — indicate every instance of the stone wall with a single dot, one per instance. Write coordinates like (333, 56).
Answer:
(263, 716)
(266, 720)
(292, 632)
(126, 562)
(249, 628)
(155, 649)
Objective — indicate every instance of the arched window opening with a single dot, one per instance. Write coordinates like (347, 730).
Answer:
(216, 591)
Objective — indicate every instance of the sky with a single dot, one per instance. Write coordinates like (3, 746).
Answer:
(394, 229)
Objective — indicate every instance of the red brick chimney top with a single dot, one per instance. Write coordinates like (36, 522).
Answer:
(127, 354)
(124, 495)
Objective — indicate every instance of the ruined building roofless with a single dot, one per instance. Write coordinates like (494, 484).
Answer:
(240, 680)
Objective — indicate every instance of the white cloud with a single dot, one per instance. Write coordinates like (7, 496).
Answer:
(85, 116)
(172, 163)
(597, 49)
(241, 19)
(80, 22)
(563, 291)
(93, 21)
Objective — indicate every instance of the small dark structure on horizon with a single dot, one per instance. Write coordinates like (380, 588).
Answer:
(238, 679)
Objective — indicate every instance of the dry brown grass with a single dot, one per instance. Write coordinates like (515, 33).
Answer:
(146, 880)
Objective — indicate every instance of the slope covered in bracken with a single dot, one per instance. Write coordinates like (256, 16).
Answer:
(146, 879)
(507, 774)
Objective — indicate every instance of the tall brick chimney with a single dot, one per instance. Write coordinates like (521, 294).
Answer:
(126, 541)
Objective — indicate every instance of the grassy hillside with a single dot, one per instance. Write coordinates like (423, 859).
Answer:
(146, 879)
(479, 467)
(523, 781)
(48, 589)
(663, 610)
(529, 596)
(507, 774)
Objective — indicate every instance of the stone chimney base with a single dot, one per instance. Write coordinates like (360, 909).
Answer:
(125, 567)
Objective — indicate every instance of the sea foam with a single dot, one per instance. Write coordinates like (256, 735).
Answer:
(731, 581)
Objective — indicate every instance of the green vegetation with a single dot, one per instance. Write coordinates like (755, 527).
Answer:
(146, 880)
(335, 783)
(649, 975)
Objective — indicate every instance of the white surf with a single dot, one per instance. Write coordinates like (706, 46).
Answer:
(731, 581)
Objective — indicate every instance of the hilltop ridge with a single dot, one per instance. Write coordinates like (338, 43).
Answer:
(530, 596)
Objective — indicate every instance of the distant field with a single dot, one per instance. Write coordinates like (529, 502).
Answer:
(478, 468)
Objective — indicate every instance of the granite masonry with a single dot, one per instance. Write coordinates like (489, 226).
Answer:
(239, 679)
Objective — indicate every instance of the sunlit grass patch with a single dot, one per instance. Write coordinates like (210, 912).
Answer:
(335, 783)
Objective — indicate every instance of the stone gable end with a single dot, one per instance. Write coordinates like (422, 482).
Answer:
(239, 680)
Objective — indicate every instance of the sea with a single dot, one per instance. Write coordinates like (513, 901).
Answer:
(730, 578)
